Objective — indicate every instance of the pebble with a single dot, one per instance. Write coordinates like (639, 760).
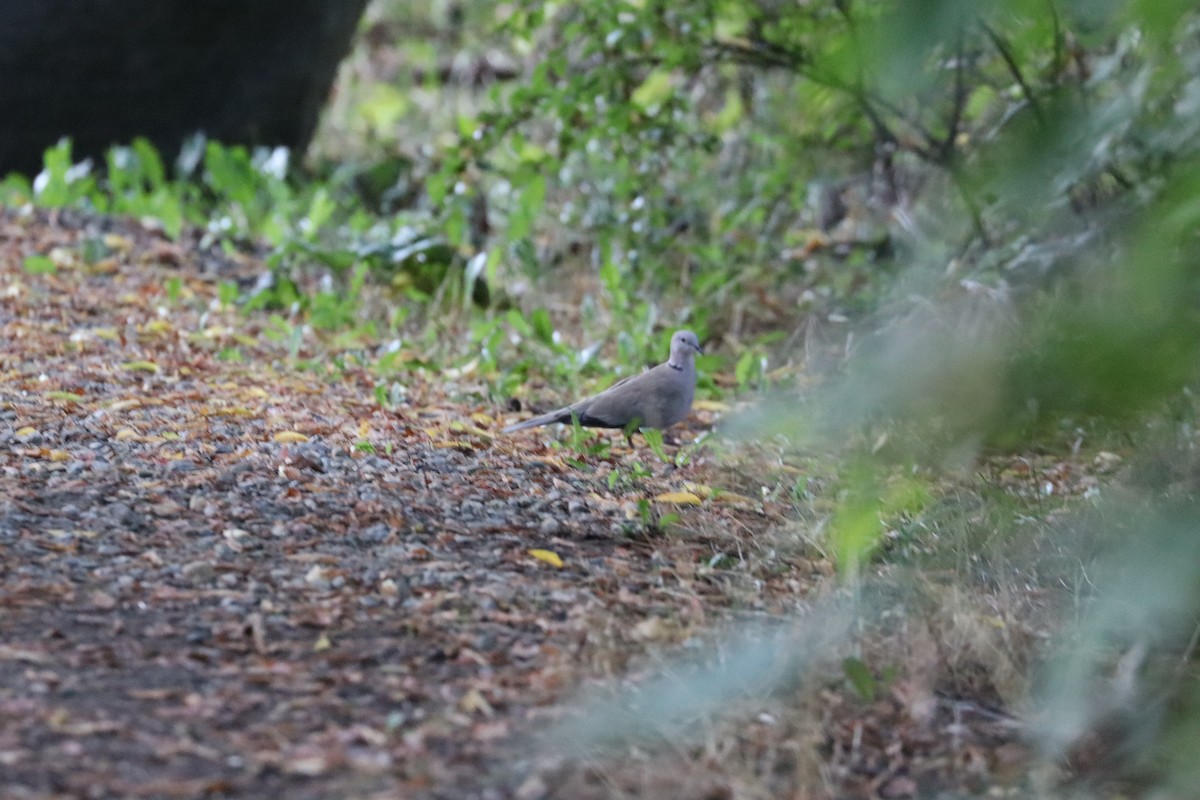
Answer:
(199, 571)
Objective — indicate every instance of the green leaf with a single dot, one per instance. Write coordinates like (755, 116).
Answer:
(543, 327)
(860, 678)
(228, 293)
(530, 202)
(856, 528)
(518, 323)
(70, 397)
(654, 440)
(39, 265)
(654, 90)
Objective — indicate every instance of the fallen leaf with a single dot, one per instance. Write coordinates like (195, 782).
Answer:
(140, 366)
(649, 629)
(157, 327)
(309, 764)
(70, 397)
(474, 701)
(289, 437)
(549, 556)
(678, 498)
(9, 653)
(115, 241)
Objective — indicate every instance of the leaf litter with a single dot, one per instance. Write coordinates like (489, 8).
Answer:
(239, 577)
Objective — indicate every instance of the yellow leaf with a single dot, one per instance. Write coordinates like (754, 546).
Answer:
(58, 455)
(462, 427)
(474, 701)
(124, 405)
(24, 432)
(106, 333)
(710, 405)
(289, 437)
(68, 396)
(140, 366)
(322, 644)
(115, 241)
(233, 411)
(125, 433)
(364, 429)
(482, 419)
(157, 327)
(549, 556)
(553, 462)
(678, 498)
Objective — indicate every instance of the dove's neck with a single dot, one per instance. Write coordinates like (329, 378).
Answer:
(679, 360)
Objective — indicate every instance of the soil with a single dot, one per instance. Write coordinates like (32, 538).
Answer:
(227, 571)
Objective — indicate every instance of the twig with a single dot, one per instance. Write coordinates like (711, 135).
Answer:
(1006, 53)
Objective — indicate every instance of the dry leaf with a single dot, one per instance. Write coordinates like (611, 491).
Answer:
(474, 701)
(678, 498)
(549, 556)
(289, 437)
(70, 397)
(140, 366)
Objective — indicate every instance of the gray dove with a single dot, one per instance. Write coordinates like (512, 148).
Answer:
(657, 398)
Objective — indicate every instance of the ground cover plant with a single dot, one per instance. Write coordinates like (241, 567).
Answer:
(927, 533)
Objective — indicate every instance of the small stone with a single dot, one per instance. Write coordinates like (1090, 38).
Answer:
(317, 577)
(199, 571)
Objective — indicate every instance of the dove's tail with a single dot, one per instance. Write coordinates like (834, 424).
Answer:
(561, 415)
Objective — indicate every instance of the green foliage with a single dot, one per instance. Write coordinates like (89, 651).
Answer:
(235, 196)
(39, 265)
(654, 440)
(586, 443)
(621, 478)
(859, 676)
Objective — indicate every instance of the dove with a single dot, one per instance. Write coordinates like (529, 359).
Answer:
(657, 398)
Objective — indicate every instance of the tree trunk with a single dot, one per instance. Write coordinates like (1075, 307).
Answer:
(105, 71)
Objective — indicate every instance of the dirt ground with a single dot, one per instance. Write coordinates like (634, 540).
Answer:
(229, 573)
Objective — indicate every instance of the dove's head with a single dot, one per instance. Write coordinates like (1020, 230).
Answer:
(684, 346)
